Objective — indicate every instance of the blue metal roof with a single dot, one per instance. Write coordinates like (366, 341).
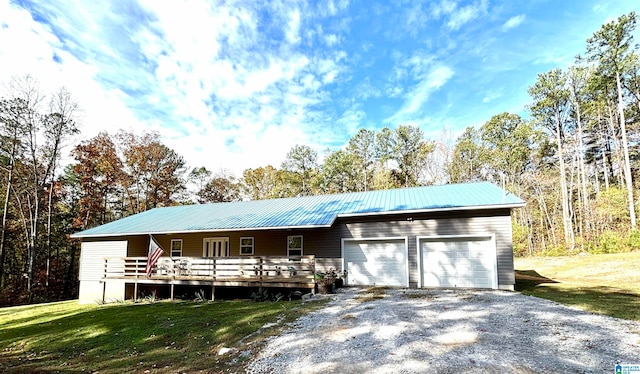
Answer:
(305, 212)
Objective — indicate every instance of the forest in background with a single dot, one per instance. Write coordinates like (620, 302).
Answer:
(573, 159)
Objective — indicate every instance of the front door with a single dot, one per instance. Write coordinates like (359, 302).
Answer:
(215, 247)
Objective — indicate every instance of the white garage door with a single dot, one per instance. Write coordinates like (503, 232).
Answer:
(458, 262)
(381, 262)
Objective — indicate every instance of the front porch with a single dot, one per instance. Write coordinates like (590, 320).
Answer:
(241, 271)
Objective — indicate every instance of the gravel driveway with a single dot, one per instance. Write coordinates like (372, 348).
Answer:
(446, 331)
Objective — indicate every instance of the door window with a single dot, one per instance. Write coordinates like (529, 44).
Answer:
(216, 247)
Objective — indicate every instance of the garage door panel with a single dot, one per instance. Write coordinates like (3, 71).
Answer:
(446, 281)
(458, 262)
(376, 262)
(464, 269)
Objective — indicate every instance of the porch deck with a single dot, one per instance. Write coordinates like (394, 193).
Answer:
(240, 271)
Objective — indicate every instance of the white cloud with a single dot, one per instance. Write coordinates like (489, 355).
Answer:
(458, 16)
(428, 82)
(491, 95)
(466, 14)
(331, 40)
(28, 48)
(352, 120)
(513, 22)
(220, 92)
(294, 27)
(435, 79)
(444, 7)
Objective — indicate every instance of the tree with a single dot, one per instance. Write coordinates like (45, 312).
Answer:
(466, 162)
(259, 183)
(301, 163)
(340, 173)
(219, 189)
(199, 177)
(11, 113)
(578, 84)
(551, 105)
(99, 174)
(611, 49)
(363, 149)
(59, 125)
(407, 149)
(43, 135)
(384, 145)
(507, 143)
(410, 151)
(154, 172)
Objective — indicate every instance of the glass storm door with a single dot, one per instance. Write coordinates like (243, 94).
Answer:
(216, 247)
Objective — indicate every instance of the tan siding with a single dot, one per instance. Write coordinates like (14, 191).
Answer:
(138, 246)
(266, 243)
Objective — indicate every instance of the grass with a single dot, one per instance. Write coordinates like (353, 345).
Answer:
(371, 294)
(164, 337)
(605, 283)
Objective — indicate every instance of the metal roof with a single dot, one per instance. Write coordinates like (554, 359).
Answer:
(306, 212)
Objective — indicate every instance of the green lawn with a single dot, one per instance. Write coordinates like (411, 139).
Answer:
(163, 337)
(605, 284)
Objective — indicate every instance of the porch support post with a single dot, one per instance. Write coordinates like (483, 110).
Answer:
(213, 292)
(172, 291)
(104, 289)
(135, 290)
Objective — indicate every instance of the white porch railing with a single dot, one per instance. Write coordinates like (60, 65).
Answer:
(295, 269)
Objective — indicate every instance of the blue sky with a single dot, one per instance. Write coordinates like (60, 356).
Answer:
(236, 84)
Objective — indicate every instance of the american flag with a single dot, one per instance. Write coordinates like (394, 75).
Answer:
(155, 251)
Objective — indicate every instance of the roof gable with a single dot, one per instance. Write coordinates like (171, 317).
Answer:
(306, 212)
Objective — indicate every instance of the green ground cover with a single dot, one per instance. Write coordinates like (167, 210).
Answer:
(603, 283)
(162, 337)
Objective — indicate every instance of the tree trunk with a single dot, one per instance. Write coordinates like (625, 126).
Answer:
(566, 218)
(604, 161)
(49, 209)
(6, 205)
(615, 151)
(4, 223)
(583, 174)
(625, 149)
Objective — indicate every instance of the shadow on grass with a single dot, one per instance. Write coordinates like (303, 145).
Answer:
(609, 301)
(170, 337)
(528, 279)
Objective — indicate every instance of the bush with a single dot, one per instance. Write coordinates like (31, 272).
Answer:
(556, 251)
(520, 240)
(615, 242)
(634, 240)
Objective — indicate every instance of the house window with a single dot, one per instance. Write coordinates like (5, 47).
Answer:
(294, 245)
(176, 247)
(246, 245)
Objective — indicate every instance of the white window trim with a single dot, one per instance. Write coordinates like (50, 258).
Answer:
(181, 247)
(216, 238)
(301, 245)
(252, 246)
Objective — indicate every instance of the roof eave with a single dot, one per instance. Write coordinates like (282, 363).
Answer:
(415, 211)
(76, 236)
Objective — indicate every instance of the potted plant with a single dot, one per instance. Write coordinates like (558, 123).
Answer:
(325, 282)
(341, 279)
